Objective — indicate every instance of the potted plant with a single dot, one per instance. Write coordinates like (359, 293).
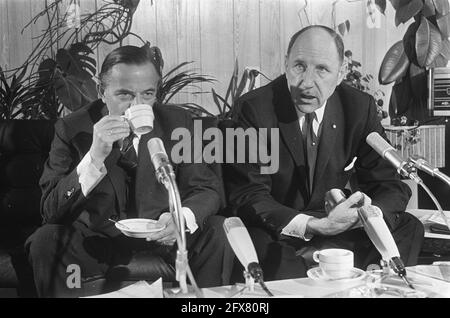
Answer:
(355, 79)
(424, 45)
(225, 105)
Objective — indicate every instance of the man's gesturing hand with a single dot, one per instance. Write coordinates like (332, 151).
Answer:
(106, 131)
(339, 219)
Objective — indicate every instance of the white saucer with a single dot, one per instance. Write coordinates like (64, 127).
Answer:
(317, 275)
(138, 228)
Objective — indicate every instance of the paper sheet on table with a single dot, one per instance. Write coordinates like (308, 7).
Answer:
(287, 290)
(141, 289)
(436, 217)
(439, 270)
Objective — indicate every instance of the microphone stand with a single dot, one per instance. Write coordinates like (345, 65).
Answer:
(166, 176)
(414, 162)
(421, 164)
(409, 169)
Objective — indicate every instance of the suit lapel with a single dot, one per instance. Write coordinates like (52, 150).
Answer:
(288, 122)
(332, 124)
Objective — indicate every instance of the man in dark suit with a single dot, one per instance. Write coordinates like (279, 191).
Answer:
(89, 177)
(323, 126)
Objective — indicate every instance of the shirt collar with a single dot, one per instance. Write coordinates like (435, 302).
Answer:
(319, 113)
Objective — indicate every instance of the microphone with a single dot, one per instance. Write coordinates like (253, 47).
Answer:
(423, 165)
(166, 176)
(242, 245)
(160, 161)
(386, 151)
(376, 228)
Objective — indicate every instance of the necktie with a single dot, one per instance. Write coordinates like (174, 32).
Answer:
(311, 141)
(128, 162)
(128, 158)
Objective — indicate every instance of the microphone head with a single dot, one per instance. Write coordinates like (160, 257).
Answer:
(376, 229)
(379, 144)
(240, 241)
(156, 146)
(157, 152)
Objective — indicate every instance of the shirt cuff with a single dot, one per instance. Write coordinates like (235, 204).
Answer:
(297, 227)
(189, 217)
(88, 174)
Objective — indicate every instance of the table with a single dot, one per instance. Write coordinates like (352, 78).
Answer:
(309, 288)
(420, 276)
(423, 215)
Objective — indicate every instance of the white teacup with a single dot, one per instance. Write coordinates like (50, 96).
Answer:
(335, 263)
(141, 118)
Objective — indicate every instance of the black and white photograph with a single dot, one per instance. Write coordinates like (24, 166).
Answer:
(228, 154)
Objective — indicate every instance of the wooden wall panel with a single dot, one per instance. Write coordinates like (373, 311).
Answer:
(189, 45)
(166, 36)
(89, 7)
(144, 23)
(246, 25)
(292, 19)
(270, 38)
(212, 33)
(217, 52)
(20, 44)
(36, 6)
(4, 36)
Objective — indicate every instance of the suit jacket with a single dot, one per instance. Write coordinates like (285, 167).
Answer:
(63, 201)
(272, 201)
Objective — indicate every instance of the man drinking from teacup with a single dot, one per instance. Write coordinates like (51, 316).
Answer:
(99, 168)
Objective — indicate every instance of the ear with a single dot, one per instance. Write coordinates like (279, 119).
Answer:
(101, 92)
(341, 74)
(286, 63)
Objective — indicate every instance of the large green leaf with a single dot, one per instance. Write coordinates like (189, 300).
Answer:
(443, 23)
(418, 82)
(442, 6)
(428, 43)
(76, 61)
(399, 3)
(73, 84)
(407, 11)
(381, 5)
(444, 55)
(428, 8)
(73, 92)
(439, 61)
(445, 50)
(409, 42)
(394, 65)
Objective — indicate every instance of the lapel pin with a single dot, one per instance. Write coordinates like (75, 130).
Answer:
(334, 126)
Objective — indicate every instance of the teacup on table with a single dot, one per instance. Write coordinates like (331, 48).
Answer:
(141, 118)
(335, 263)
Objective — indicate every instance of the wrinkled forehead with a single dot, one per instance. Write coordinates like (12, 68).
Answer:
(316, 44)
(133, 76)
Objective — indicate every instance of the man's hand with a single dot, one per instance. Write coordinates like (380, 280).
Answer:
(166, 236)
(106, 131)
(341, 218)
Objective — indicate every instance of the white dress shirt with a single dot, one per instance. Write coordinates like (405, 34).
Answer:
(297, 226)
(89, 176)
